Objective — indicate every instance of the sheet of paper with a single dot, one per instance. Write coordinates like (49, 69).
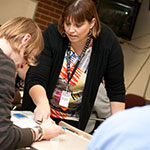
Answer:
(23, 119)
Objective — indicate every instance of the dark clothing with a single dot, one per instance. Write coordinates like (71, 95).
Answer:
(106, 60)
(11, 137)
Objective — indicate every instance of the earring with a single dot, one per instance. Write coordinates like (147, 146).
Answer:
(63, 34)
(90, 32)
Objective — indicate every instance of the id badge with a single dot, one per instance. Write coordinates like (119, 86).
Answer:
(64, 100)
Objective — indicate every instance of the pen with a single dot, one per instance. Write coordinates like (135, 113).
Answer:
(63, 127)
(14, 107)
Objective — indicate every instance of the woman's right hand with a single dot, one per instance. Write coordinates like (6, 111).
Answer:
(42, 110)
(41, 113)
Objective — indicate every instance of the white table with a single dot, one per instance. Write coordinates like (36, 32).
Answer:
(76, 140)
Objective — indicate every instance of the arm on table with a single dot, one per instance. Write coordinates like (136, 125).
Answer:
(39, 97)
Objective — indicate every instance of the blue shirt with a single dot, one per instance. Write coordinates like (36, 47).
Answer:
(125, 130)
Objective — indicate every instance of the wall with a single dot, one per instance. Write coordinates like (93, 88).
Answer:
(137, 54)
(13, 8)
(48, 11)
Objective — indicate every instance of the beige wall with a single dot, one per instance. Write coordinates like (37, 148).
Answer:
(13, 8)
(136, 52)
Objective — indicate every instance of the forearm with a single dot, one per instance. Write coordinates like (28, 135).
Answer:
(38, 95)
(117, 106)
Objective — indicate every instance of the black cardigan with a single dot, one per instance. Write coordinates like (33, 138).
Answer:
(106, 60)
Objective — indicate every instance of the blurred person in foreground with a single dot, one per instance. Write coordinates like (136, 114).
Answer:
(125, 130)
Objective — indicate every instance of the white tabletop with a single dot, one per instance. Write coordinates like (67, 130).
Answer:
(68, 141)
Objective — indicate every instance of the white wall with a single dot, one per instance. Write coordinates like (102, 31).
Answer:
(136, 53)
(14, 8)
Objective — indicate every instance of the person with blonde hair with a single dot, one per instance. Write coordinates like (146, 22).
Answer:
(20, 42)
(78, 52)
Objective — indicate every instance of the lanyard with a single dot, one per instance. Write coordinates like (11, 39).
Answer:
(77, 64)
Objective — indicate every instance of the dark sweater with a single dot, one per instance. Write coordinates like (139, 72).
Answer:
(106, 60)
(11, 137)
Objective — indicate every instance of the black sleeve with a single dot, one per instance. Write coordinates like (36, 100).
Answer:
(114, 75)
(39, 74)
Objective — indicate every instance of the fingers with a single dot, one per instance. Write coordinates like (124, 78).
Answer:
(44, 119)
(51, 130)
(62, 130)
(41, 114)
(39, 122)
(52, 121)
(38, 118)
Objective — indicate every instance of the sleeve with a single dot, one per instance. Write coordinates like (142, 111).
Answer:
(114, 75)
(107, 135)
(11, 136)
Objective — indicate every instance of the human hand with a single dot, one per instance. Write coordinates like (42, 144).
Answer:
(51, 130)
(42, 113)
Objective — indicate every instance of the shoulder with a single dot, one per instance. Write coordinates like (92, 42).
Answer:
(6, 63)
(52, 30)
(7, 77)
(127, 126)
(51, 27)
(126, 120)
(107, 40)
(51, 35)
(107, 36)
(53, 39)
(107, 31)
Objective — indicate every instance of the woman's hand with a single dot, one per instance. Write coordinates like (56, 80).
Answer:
(42, 110)
(42, 113)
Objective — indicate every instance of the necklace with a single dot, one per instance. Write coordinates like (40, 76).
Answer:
(78, 62)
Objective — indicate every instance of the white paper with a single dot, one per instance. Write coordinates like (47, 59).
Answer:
(26, 122)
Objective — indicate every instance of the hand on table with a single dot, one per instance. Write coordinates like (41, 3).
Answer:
(51, 130)
(42, 113)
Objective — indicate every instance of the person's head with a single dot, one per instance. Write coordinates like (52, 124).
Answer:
(24, 37)
(78, 13)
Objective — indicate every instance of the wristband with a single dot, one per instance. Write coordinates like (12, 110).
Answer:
(34, 134)
(40, 133)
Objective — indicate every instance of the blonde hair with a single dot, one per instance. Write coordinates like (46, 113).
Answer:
(79, 11)
(14, 30)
